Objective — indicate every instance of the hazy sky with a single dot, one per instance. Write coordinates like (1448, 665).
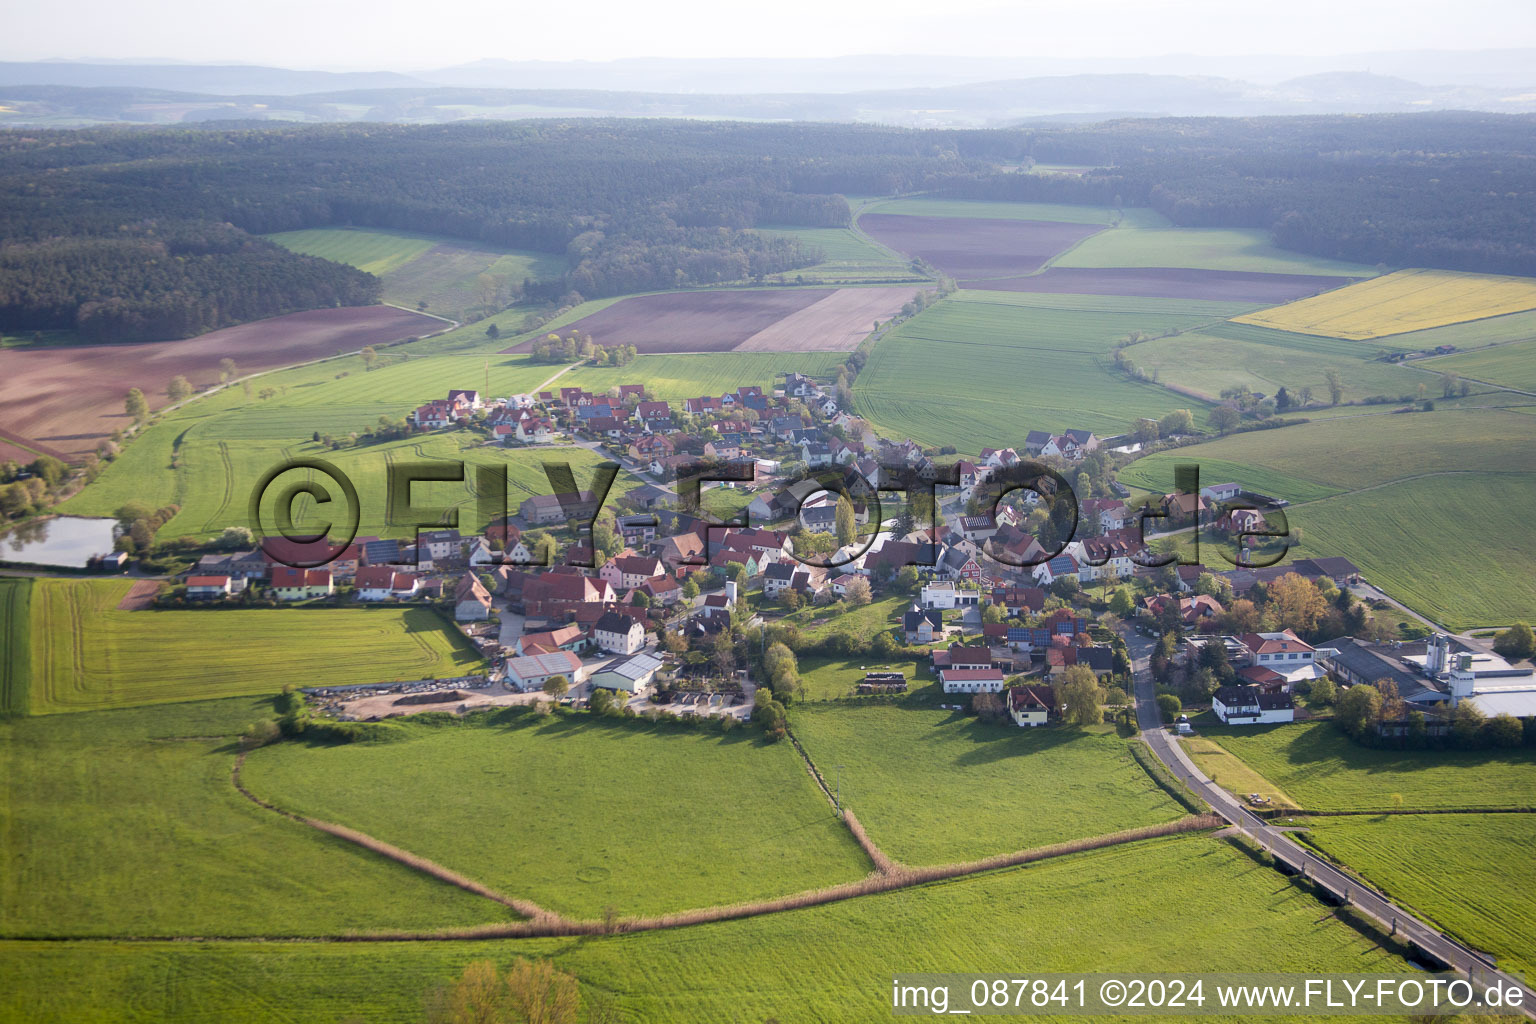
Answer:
(407, 34)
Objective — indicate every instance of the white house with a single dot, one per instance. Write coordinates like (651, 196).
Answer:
(1030, 706)
(971, 680)
(619, 634)
(377, 582)
(208, 588)
(944, 595)
(439, 545)
(1248, 705)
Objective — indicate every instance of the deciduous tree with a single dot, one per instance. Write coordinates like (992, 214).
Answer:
(1082, 697)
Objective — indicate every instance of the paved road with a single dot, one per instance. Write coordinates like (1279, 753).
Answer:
(1402, 923)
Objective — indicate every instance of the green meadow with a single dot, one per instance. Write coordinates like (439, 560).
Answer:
(1327, 457)
(126, 823)
(1431, 506)
(1246, 250)
(87, 654)
(835, 678)
(580, 814)
(213, 480)
(1453, 547)
(1211, 360)
(376, 251)
(974, 372)
(934, 786)
(673, 378)
(847, 255)
(1511, 365)
(1470, 874)
(1155, 908)
(453, 277)
(1324, 770)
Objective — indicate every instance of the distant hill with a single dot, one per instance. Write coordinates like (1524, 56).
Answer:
(214, 79)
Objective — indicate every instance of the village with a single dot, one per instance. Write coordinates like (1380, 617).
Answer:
(1003, 603)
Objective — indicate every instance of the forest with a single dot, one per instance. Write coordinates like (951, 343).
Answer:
(138, 233)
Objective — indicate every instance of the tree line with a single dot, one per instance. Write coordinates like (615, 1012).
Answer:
(134, 233)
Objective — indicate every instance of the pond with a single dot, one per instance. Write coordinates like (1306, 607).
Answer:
(65, 541)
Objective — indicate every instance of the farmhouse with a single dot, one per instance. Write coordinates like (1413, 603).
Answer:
(1250, 705)
(922, 627)
(557, 508)
(557, 592)
(290, 584)
(533, 671)
(1030, 706)
(210, 588)
(625, 572)
(566, 638)
(440, 545)
(617, 633)
(471, 601)
(383, 582)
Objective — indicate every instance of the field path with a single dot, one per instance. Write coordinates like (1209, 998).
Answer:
(558, 374)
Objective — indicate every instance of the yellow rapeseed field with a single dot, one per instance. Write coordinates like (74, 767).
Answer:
(1409, 300)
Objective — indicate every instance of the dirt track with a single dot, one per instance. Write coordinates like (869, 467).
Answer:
(140, 596)
(67, 398)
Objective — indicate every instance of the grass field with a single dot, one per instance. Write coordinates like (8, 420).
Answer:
(1454, 548)
(450, 275)
(1323, 770)
(846, 256)
(1210, 360)
(1395, 495)
(1409, 300)
(672, 378)
(935, 786)
(1362, 451)
(375, 251)
(1470, 874)
(213, 479)
(1222, 766)
(1512, 365)
(1154, 908)
(1248, 250)
(15, 646)
(581, 815)
(875, 617)
(835, 678)
(976, 373)
(1473, 334)
(86, 654)
(126, 823)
